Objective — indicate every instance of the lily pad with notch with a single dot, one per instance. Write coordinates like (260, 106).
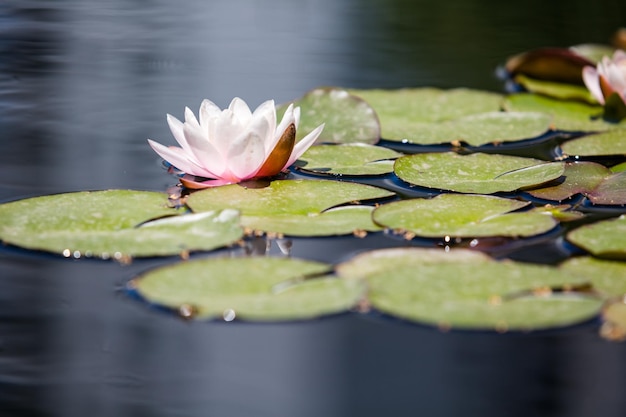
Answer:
(464, 216)
(113, 224)
(476, 173)
(295, 207)
(251, 288)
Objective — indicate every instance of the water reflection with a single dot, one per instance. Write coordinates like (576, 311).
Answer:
(84, 83)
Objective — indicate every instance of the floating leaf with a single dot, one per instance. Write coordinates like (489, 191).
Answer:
(460, 215)
(294, 207)
(570, 116)
(113, 223)
(614, 326)
(561, 91)
(481, 129)
(256, 288)
(347, 118)
(475, 173)
(403, 112)
(607, 277)
(349, 159)
(465, 290)
(600, 144)
(606, 238)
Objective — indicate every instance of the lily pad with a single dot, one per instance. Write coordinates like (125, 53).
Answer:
(605, 239)
(476, 173)
(113, 224)
(561, 91)
(462, 289)
(254, 288)
(608, 277)
(347, 118)
(294, 207)
(556, 64)
(459, 215)
(580, 178)
(349, 159)
(600, 144)
(614, 326)
(481, 129)
(403, 112)
(573, 116)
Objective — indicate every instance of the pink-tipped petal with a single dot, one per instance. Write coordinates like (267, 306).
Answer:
(192, 184)
(304, 144)
(592, 81)
(176, 126)
(178, 158)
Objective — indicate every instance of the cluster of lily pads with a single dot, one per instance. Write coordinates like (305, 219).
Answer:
(443, 167)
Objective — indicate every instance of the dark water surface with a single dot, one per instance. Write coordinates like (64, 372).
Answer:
(83, 83)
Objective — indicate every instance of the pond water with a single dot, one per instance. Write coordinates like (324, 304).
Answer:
(84, 83)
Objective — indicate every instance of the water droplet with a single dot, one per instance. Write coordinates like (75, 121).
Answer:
(473, 243)
(67, 253)
(229, 314)
(187, 311)
(76, 254)
(446, 239)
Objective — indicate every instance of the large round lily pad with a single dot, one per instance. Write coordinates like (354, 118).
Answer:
(294, 207)
(113, 224)
(606, 238)
(348, 159)
(600, 144)
(460, 215)
(476, 173)
(403, 112)
(347, 118)
(481, 129)
(465, 290)
(254, 288)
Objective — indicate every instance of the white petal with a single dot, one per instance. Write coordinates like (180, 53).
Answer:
(246, 154)
(190, 117)
(288, 118)
(592, 81)
(616, 78)
(303, 145)
(206, 154)
(224, 130)
(265, 117)
(176, 126)
(296, 116)
(178, 158)
(241, 110)
(208, 110)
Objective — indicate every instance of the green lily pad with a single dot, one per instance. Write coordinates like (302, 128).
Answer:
(294, 207)
(460, 215)
(619, 167)
(614, 326)
(465, 290)
(600, 144)
(607, 277)
(349, 159)
(113, 224)
(570, 116)
(605, 239)
(254, 288)
(476, 173)
(347, 118)
(561, 91)
(481, 129)
(403, 112)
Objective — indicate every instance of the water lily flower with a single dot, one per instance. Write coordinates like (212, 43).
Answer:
(235, 144)
(608, 78)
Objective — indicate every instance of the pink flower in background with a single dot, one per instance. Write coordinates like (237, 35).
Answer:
(607, 78)
(233, 145)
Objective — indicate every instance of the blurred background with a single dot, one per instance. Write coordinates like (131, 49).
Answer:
(84, 83)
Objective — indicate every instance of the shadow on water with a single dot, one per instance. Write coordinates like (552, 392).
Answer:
(84, 83)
